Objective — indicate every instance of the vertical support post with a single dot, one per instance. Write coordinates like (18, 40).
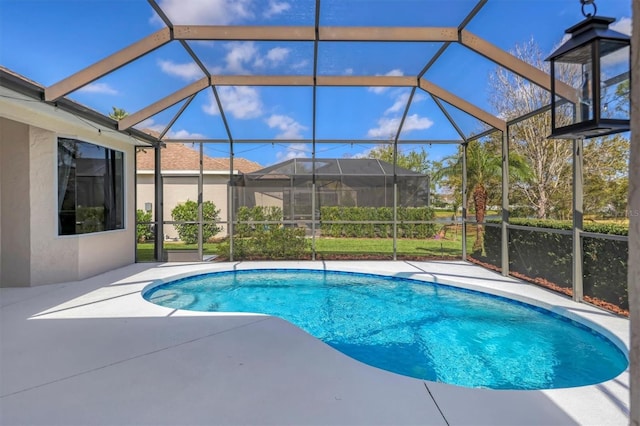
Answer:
(505, 203)
(135, 197)
(395, 219)
(200, 205)
(230, 204)
(633, 278)
(313, 199)
(578, 145)
(395, 200)
(158, 200)
(313, 219)
(464, 201)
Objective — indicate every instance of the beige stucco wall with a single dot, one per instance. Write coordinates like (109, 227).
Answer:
(52, 258)
(28, 141)
(215, 189)
(56, 258)
(178, 190)
(15, 239)
(265, 199)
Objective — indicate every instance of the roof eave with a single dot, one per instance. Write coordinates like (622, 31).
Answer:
(31, 89)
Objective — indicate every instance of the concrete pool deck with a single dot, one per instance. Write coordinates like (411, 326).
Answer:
(94, 352)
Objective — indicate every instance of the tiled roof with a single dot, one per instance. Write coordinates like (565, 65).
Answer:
(178, 156)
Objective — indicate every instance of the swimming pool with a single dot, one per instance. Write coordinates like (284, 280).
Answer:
(415, 328)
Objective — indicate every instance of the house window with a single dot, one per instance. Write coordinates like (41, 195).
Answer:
(90, 188)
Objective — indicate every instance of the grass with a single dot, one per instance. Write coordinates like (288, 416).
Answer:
(450, 246)
(144, 251)
(366, 246)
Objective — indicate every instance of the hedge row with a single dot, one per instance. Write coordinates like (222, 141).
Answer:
(257, 214)
(266, 241)
(600, 228)
(377, 214)
(273, 243)
(548, 256)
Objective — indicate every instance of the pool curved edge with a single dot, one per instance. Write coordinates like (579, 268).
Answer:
(609, 325)
(603, 403)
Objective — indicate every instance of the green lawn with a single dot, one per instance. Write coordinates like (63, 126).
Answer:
(427, 247)
(144, 252)
(450, 246)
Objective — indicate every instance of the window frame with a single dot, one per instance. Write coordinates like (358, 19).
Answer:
(100, 198)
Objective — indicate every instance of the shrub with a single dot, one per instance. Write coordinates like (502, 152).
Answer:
(256, 214)
(144, 231)
(548, 256)
(188, 212)
(377, 214)
(265, 240)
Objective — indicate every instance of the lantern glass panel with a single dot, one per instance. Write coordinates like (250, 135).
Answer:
(575, 68)
(614, 80)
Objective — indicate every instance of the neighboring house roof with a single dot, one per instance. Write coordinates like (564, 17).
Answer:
(178, 156)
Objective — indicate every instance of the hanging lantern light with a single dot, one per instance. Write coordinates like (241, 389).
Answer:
(596, 61)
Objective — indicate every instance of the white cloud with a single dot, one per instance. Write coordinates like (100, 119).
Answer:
(242, 57)
(101, 88)
(183, 134)
(622, 25)
(388, 127)
(380, 90)
(399, 104)
(363, 154)
(348, 71)
(150, 124)
(239, 55)
(289, 128)
(401, 99)
(295, 150)
(277, 54)
(395, 72)
(205, 12)
(189, 71)
(415, 122)
(240, 101)
(276, 8)
(303, 63)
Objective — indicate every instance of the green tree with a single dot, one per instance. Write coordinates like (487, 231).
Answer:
(188, 212)
(606, 182)
(549, 159)
(484, 170)
(619, 101)
(417, 161)
(118, 113)
(484, 176)
(412, 160)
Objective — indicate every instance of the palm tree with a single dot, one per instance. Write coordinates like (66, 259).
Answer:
(118, 113)
(484, 176)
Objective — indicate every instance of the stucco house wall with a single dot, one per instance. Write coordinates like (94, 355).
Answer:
(180, 171)
(32, 252)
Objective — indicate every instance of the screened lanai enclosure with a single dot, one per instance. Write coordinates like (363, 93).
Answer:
(386, 129)
(346, 182)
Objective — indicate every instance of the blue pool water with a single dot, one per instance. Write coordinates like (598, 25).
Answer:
(418, 329)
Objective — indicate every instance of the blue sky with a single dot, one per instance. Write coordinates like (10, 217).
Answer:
(48, 40)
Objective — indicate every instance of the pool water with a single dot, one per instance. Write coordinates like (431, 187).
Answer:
(418, 329)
